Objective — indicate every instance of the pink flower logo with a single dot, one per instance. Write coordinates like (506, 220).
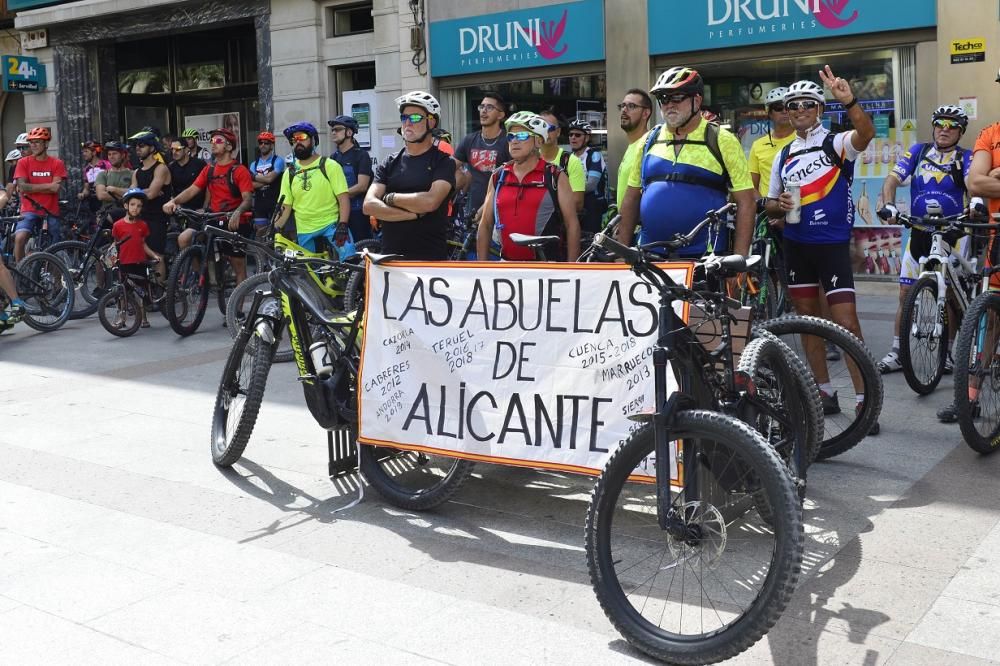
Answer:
(831, 11)
(548, 41)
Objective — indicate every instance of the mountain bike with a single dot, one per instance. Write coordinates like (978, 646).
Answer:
(201, 269)
(327, 355)
(83, 259)
(43, 282)
(938, 299)
(120, 308)
(711, 527)
(764, 287)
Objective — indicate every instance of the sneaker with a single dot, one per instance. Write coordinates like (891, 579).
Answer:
(832, 352)
(874, 430)
(890, 362)
(949, 366)
(949, 414)
(16, 312)
(830, 404)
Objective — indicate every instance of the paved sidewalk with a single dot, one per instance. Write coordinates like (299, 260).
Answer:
(120, 542)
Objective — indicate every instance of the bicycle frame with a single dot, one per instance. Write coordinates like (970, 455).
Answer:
(939, 265)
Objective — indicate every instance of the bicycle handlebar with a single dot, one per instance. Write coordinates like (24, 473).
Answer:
(683, 240)
(950, 221)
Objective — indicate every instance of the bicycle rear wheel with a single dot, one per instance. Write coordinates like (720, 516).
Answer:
(45, 285)
(83, 268)
(923, 336)
(237, 402)
(977, 374)
(851, 374)
(187, 291)
(412, 480)
(714, 593)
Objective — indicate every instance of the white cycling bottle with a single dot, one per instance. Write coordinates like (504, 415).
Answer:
(792, 186)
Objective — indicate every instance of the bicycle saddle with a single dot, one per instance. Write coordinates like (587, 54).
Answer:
(524, 240)
(381, 258)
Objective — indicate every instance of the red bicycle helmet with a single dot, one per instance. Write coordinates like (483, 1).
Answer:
(227, 134)
(265, 136)
(39, 134)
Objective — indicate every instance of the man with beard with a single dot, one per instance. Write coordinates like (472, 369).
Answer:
(230, 189)
(316, 191)
(184, 169)
(636, 108)
(412, 188)
(153, 178)
(685, 167)
(483, 151)
(357, 166)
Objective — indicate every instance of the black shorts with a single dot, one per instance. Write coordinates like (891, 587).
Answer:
(137, 271)
(157, 240)
(809, 267)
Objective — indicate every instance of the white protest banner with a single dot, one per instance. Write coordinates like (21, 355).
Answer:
(525, 364)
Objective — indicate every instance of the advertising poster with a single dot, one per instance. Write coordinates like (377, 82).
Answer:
(524, 364)
(207, 122)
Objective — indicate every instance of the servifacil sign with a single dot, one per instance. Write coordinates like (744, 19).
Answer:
(552, 34)
(728, 23)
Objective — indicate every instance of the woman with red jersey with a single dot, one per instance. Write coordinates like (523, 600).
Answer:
(528, 195)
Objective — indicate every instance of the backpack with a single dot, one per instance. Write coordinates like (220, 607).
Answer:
(601, 191)
(392, 160)
(230, 179)
(826, 147)
(711, 142)
(957, 176)
(550, 181)
(292, 168)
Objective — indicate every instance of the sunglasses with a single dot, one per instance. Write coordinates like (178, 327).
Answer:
(808, 105)
(631, 106)
(411, 118)
(576, 135)
(779, 107)
(945, 123)
(300, 136)
(487, 107)
(261, 143)
(338, 128)
(218, 139)
(675, 98)
(553, 128)
(519, 136)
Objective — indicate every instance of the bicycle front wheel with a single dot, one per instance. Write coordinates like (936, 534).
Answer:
(977, 374)
(923, 339)
(717, 590)
(119, 311)
(45, 285)
(187, 291)
(240, 300)
(238, 400)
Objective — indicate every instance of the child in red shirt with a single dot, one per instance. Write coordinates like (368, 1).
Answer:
(132, 233)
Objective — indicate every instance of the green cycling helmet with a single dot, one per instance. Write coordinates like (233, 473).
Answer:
(189, 133)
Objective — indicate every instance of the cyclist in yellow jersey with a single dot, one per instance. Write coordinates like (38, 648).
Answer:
(636, 109)
(552, 153)
(766, 148)
(686, 166)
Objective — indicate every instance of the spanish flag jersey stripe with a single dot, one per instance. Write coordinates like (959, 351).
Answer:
(821, 187)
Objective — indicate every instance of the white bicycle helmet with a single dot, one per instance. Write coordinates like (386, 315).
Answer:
(951, 112)
(13, 156)
(533, 122)
(419, 98)
(581, 125)
(775, 95)
(805, 90)
(22, 139)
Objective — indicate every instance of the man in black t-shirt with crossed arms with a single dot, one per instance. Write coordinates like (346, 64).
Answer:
(412, 188)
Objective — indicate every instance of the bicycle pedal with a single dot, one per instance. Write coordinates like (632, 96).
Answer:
(307, 378)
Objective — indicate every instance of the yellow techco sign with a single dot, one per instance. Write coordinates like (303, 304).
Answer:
(968, 50)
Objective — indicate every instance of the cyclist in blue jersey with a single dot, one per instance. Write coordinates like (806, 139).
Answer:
(686, 167)
(820, 164)
(936, 172)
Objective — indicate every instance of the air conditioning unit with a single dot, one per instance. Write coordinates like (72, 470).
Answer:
(35, 39)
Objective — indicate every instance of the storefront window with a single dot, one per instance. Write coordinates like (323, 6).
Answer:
(574, 97)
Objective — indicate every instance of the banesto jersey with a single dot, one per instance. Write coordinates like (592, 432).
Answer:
(827, 205)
